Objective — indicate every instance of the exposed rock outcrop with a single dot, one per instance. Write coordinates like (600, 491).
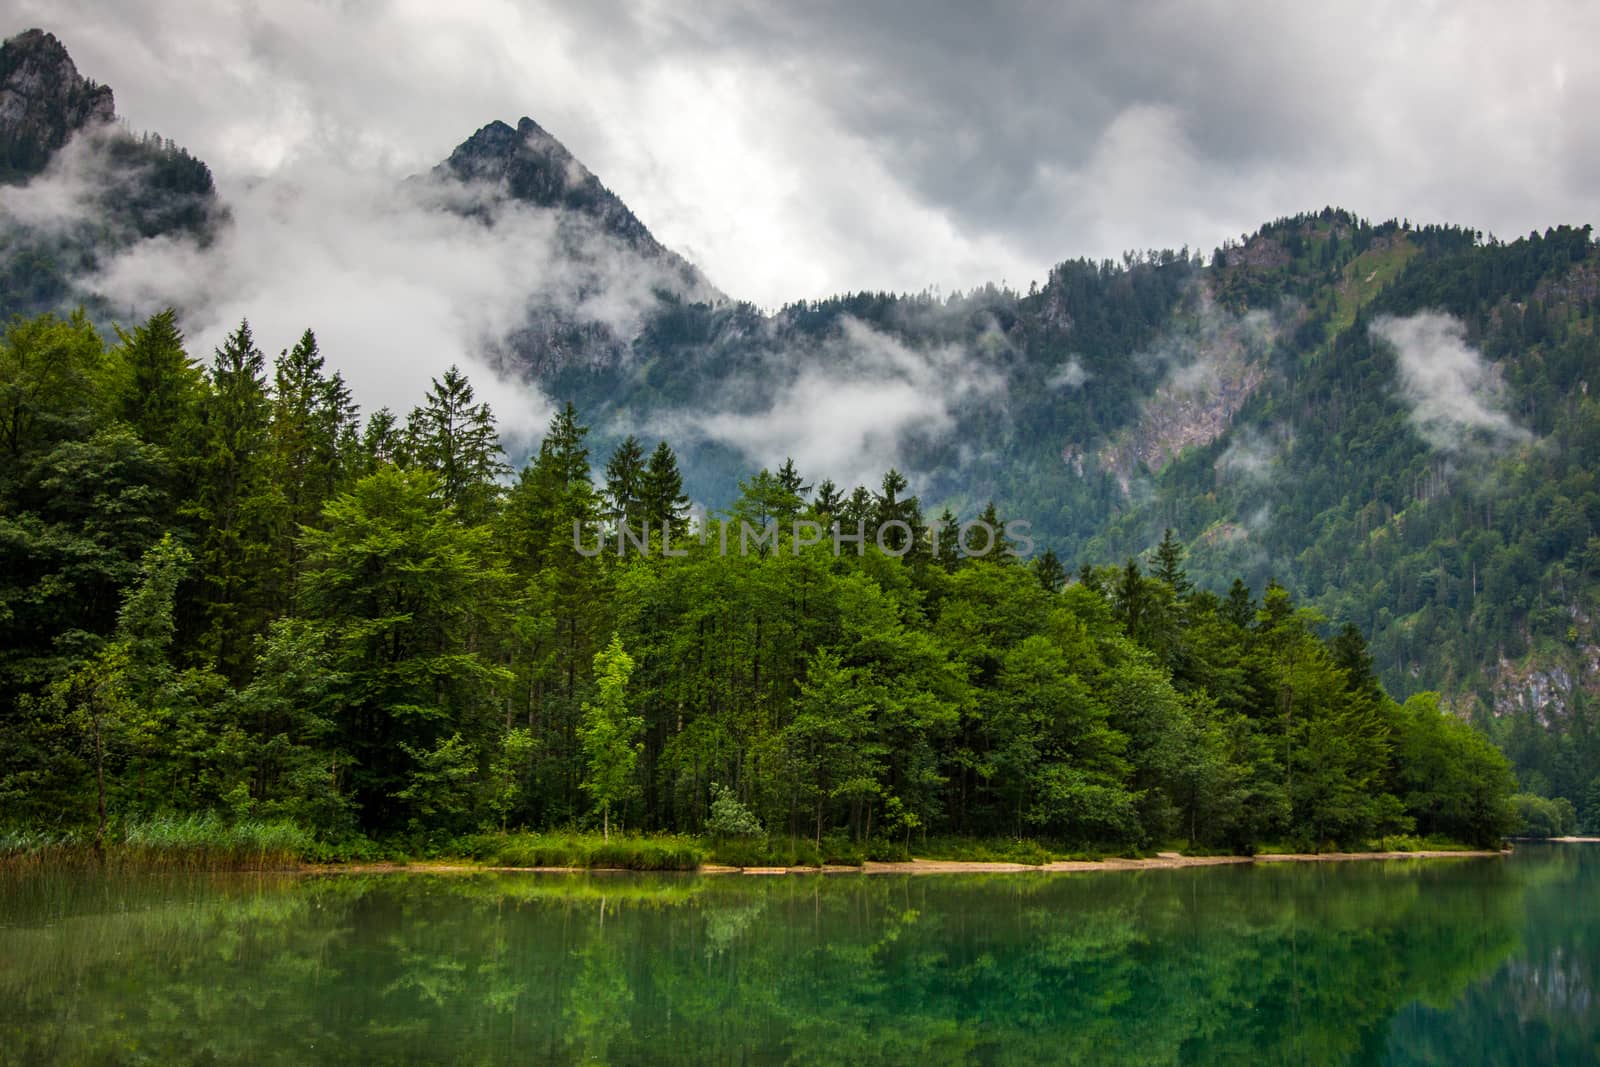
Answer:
(43, 102)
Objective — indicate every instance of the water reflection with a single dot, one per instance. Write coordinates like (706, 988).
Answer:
(1410, 962)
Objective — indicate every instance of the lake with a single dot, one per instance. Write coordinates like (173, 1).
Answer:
(1414, 961)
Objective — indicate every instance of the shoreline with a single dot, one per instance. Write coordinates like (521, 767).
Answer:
(1165, 861)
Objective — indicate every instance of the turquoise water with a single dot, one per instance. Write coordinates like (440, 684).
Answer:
(1418, 961)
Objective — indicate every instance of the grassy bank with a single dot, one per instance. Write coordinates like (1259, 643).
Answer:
(186, 842)
(664, 852)
(210, 842)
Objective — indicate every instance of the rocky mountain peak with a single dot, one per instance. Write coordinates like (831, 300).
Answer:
(43, 102)
(536, 168)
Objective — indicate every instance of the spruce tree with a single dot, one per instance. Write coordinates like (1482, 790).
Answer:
(456, 440)
(791, 481)
(238, 509)
(1048, 569)
(662, 490)
(625, 503)
(1169, 565)
(313, 419)
(828, 501)
(157, 385)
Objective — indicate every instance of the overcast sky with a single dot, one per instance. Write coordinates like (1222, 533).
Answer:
(798, 149)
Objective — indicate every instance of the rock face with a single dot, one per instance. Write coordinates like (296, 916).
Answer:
(530, 165)
(611, 281)
(43, 102)
(111, 189)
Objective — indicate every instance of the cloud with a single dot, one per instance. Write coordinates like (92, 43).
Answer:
(1070, 375)
(77, 178)
(1212, 352)
(399, 279)
(1455, 397)
(853, 406)
(796, 151)
(1249, 457)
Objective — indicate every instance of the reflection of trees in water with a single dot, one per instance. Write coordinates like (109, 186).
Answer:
(1304, 962)
(1540, 1006)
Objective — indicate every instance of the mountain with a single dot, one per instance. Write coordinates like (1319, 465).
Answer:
(43, 102)
(537, 169)
(100, 188)
(1392, 419)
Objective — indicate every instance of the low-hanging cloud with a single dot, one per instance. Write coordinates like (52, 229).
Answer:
(1456, 397)
(1070, 375)
(856, 402)
(1249, 457)
(398, 279)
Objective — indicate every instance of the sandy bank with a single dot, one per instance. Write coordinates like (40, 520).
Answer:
(1164, 861)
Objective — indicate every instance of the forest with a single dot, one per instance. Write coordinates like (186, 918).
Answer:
(1470, 561)
(227, 596)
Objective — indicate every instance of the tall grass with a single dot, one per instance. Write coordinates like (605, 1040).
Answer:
(165, 842)
(207, 842)
(657, 853)
(837, 850)
(993, 850)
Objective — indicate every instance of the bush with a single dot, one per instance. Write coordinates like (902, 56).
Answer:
(729, 818)
(839, 851)
(881, 850)
(1541, 817)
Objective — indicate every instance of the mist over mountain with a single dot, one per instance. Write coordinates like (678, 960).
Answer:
(76, 187)
(1393, 419)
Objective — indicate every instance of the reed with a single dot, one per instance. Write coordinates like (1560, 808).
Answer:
(193, 842)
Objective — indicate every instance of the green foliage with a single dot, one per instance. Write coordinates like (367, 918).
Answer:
(222, 597)
(456, 440)
(729, 818)
(1540, 817)
(609, 731)
(1024, 850)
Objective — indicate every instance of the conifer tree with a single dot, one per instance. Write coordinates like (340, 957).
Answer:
(313, 419)
(158, 386)
(829, 501)
(1169, 565)
(949, 555)
(891, 505)
(382, 441)
(237, 507)
(1048, 569)
(662, 490)
(791, 481)
(625, 484)
(456, 440)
